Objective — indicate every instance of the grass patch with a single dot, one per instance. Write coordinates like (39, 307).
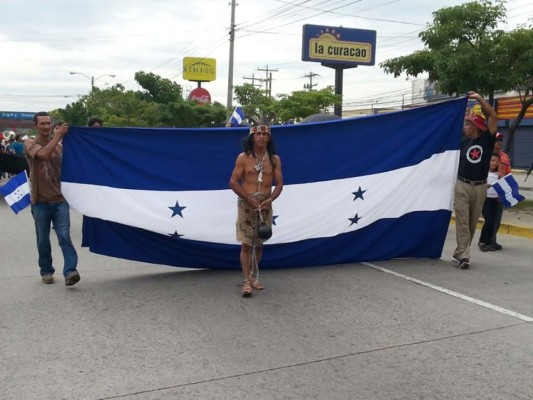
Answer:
(526, 205)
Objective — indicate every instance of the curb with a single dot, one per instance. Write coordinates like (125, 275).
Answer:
(508, 229)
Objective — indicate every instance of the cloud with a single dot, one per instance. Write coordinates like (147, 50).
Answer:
(101, 37)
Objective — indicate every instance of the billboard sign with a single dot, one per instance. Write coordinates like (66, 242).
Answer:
(16, 115)
(200, 95)
(338, 46)
(199, 69)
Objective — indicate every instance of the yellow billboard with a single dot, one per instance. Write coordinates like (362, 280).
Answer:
(199, 69)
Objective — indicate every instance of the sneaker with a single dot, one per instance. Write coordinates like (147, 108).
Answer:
(464, 263)
(455, 260)
(47, 279)
(72, 278)
(496, 246)
(485, 247)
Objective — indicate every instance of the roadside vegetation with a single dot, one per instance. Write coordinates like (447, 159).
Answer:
(526, 205)
(159, 103)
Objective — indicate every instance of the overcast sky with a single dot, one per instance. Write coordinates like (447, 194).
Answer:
(41, 42)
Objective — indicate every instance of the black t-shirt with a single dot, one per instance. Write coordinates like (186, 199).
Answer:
(474, 161)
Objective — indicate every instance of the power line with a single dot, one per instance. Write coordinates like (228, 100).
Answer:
(310, 85)
(268, 80)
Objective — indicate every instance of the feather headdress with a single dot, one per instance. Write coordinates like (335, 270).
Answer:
(262, 122)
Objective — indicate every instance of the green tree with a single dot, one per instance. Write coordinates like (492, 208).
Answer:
(516, 54)
(158, 105)
(253, 100)
(193, 115)
(302, 103)
(160, 90)
(464, 51)
(459, 52)
(297, 105)
(75, 113)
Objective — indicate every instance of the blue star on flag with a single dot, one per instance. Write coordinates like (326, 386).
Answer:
(274, 219)
(355, 219)
(359, 194)
(175, 235)
(177, 209)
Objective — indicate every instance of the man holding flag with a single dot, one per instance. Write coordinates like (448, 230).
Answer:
(48, 206)
(470, 191)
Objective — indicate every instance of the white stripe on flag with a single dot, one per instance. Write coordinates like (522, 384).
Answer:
(237, 116)
(18, 194)
(313, 210)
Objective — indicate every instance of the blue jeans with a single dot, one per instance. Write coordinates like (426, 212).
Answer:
(44, 215)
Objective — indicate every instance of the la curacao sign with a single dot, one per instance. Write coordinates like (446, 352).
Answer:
(342, 46)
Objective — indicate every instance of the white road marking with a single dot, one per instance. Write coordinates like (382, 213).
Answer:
(452, 293)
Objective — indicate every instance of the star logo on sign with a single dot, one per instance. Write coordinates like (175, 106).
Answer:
(177, 210)
(359, 194)
(355, 219)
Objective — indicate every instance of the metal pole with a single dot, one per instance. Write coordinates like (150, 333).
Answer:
(229, 104)
(338, 90)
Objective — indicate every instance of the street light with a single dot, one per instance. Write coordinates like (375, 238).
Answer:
(92, 78)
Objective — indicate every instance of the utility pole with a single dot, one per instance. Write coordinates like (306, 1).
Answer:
(310, 85)
(229, 104)
(92, 78)
(268, 80)
(253, 79)
(186, 91)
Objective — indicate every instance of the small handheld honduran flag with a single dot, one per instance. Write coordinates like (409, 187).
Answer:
(507, 189)
(17, 192)
(237, 117)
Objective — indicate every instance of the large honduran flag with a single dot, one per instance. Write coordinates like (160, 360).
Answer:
(370, 188)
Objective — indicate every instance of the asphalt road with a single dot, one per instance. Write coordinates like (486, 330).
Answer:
(137, 331)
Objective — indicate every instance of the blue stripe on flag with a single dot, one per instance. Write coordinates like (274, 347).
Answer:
(383, 240)
(202, 159)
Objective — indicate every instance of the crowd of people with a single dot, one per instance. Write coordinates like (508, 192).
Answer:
(12, 145)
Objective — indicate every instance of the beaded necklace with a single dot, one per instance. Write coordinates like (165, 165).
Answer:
(259, 167)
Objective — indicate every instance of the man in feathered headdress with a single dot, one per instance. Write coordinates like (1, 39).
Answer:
(257, 168)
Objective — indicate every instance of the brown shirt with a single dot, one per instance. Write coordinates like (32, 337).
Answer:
(44, 174)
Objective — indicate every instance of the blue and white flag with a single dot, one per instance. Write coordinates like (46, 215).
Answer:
(370, 188)
(17, 192)
(507, 189)
(237, 117)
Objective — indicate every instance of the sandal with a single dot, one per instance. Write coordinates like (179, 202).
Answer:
(246, 288)
(255, 284)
